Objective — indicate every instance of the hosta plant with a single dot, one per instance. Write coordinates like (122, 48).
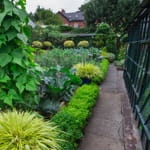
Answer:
(88, 71)
(26, 131)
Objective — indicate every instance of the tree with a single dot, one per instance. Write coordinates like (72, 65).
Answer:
(117, 13)
(45, 16)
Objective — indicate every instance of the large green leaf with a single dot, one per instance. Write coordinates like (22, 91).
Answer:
(2, 39)
(22, 37)
(8, 99)
(20, 87)
(31, 85)
(2, 16)
(4, 78)
(11, 34)
(8, 6)
(5, 59)
(7, 24)
(15, 23)
(18, 61)
(17, 53)
(21, 14)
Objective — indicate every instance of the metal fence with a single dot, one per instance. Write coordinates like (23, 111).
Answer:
(137, 72)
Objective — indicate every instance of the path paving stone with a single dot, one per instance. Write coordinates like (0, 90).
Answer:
(105, 129)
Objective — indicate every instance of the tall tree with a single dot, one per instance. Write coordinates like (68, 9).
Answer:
(118, 13)
(45, 16)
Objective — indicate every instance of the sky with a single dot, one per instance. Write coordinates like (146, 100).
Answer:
(55, 5)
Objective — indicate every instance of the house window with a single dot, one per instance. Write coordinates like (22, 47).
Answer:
(76, 25)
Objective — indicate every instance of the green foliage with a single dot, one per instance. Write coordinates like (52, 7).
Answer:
(64, 28)
(18, 74)
(105, 38)
(110, 56)
(69, 44)
(122, 53)
(104, 66)
(23, 130)
(118, 13)
(68, 57)
(45, 16)
(57, 85)
(88, 71)
(37, 44)
(84, 44)
(50, 33)
(72, 118)
(119, 63)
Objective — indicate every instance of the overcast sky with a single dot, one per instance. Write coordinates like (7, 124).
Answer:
(55, 5)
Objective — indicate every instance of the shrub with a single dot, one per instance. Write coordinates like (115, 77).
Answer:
(64, 28)
(23, 130)
(110, 56)
(69, 44)
(88, 71)
(104, 66)
(83, 44)
(119, 63)
(105, 37)
(47, 45)
(73, 118)
(122, 53)
(37, 44)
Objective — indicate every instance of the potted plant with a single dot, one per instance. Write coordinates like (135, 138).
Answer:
(87, 72)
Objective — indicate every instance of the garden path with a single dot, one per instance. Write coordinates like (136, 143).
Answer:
(111, 125)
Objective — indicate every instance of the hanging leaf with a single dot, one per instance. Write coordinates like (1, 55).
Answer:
(22, 37)
(31, 86)
(4, 59)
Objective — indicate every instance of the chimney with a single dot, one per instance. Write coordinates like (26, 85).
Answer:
(63, 11)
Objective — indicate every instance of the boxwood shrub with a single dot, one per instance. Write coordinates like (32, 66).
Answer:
(72, 118)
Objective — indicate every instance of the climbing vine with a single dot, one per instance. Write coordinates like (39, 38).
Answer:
(18, 76)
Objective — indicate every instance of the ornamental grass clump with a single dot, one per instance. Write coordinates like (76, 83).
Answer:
(25, 131)
(88, 71)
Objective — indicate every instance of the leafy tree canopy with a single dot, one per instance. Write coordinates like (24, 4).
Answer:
(45, 16)
(117, 13)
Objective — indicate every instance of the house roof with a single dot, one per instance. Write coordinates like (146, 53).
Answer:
(73, 16)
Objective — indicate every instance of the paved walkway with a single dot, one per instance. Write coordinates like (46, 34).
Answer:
(111, 125)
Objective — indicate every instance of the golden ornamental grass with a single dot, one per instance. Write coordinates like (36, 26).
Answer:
(24, 131)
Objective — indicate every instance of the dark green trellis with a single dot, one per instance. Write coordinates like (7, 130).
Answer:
(137, 72)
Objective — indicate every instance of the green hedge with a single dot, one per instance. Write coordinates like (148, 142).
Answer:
(72, 119)
(104, 66)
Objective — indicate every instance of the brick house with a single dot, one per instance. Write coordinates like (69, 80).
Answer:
(74, 19)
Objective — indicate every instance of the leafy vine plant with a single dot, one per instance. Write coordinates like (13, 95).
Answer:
(18, 73)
